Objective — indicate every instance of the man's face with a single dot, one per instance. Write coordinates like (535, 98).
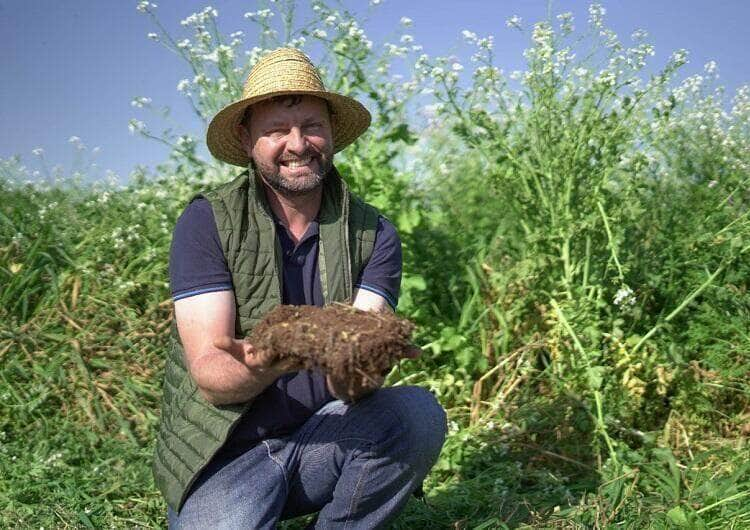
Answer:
(291, 144)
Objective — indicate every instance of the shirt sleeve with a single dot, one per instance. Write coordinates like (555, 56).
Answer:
(196, 261)
(382, 274)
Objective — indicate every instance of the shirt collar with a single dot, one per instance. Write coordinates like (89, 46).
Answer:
(312, 231)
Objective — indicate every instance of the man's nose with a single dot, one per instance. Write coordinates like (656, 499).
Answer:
(296, 142)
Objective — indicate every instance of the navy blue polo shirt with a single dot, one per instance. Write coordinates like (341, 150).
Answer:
(197, 265)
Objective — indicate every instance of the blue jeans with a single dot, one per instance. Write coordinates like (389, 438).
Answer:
(356, 464)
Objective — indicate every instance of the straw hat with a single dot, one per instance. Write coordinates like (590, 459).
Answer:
(281, 72)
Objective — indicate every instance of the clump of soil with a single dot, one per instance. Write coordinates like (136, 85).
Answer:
(345, 342)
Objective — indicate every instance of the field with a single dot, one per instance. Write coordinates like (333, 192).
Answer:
(576, 240)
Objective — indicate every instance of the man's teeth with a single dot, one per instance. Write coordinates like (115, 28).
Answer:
(294, 164)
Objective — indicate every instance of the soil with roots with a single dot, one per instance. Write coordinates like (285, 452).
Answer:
(343, 341)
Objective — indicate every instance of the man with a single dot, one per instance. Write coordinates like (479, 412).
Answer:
(245, 440)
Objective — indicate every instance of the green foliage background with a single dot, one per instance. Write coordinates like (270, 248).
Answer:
(575, 241)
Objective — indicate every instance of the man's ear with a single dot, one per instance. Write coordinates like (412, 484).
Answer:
(245, 138)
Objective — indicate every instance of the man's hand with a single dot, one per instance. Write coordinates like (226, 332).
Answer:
(353, 390)
(262, 362)
(362, 384)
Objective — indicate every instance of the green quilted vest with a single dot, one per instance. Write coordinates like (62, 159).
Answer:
(192, 430)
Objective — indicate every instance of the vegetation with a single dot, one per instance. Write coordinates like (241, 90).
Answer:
(576, 245)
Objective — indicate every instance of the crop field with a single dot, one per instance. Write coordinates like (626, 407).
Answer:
(576, 243)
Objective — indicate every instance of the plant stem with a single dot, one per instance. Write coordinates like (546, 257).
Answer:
(611, 241)
(680, 307)
(601, 428)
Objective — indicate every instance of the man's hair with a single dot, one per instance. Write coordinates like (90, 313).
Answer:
(288, 100)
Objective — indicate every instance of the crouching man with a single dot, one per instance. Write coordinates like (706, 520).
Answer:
(245, 441)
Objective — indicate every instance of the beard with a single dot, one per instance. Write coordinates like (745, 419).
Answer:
(307, 182)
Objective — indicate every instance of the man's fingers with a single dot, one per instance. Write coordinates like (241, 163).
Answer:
(238, 348)
(223, 343)
(259, 359)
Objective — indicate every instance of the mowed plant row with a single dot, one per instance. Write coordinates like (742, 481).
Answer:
(576, 244)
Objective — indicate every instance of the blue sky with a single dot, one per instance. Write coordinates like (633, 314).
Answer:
(72, 68)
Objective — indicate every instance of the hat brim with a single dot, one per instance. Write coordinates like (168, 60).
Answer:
(349, 119)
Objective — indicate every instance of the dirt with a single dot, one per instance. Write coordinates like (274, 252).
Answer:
(345, 342)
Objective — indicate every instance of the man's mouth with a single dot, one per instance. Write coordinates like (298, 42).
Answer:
(296, 163)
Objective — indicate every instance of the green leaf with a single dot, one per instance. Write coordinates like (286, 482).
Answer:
(595, 376)
(401, 132)
(413, 281)
(677, 516)
(408, 220)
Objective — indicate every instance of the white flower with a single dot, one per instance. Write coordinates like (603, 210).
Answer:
(486, 43)
(375, 2)
(183, 85)
(153, 36)
(407, 39)
(514, 22)
(469, 36)
(330, 20)
(624, 297)
(225, 51)
(140, 102)
(566, 22)
(74, 140)
(457, 67)
(135, 126)
(680, 57)
(144, 6)
(185, 141)
(396, 51)
(713, 183)
(710, 67)
(37, 152)
(184, 43)
(213, 56)
(606, 78)
(320, 33)
(596, 15)
(406, 22)
(263, 14)
(250, 14)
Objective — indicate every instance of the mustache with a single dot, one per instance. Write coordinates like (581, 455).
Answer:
(290, 158)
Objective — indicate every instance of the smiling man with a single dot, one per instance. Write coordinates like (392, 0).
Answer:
(246, 441)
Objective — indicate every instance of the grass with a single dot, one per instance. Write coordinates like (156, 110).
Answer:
(575, 258)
